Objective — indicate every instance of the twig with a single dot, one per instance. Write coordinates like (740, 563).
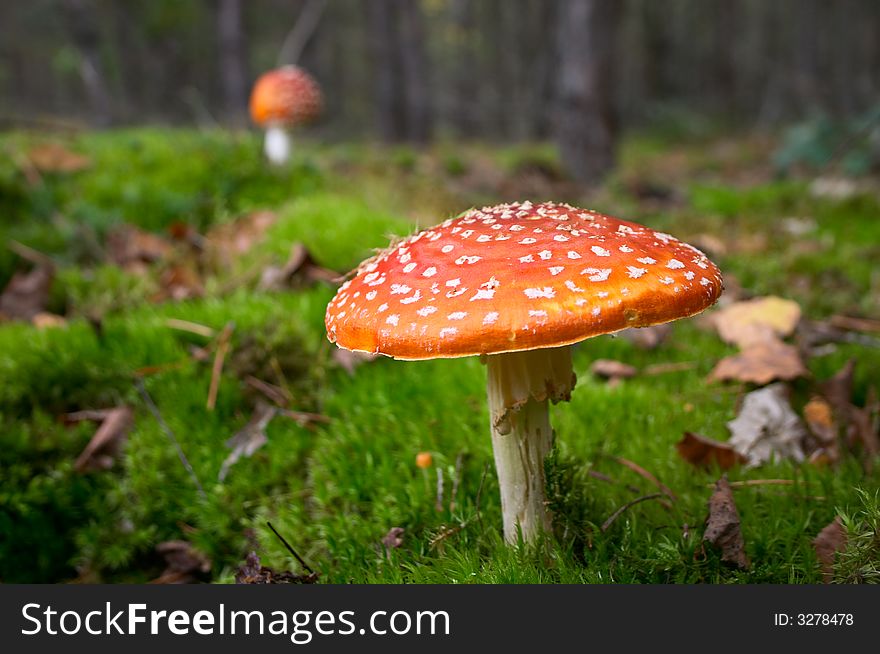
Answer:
(30, 254)
(290, 549)
(456, 478)
(139, 384)
(758, 482)
(277, 394)
(222, 349)
(673, 366)
(639, 470)
(626, 506)
(297, 38)
(479, 494)
(146, 371)
(192, 327)
(601, 476)
(303, 418)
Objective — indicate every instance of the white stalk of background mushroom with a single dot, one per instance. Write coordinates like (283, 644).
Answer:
(521, 386)
(277, 145)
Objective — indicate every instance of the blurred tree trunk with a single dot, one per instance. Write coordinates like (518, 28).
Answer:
(81, 23)
(233, 72)
(400, 62)
(586, 126)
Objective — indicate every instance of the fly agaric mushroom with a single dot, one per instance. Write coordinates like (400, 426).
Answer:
(282, 99)
(518, 284)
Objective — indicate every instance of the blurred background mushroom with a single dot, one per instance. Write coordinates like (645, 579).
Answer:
(281, 100)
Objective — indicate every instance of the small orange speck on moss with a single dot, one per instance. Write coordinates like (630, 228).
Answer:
(424, 460)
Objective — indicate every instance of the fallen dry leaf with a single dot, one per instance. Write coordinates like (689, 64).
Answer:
(251, 572)
(850, 323)
(300, 265)
(612, 370)
(723, 526)
(230, 240)
(134, 250)
(857, 425)
(761, 363)
(104, 447)
(249, 438)
(55, 158)
(767, 428)
(830, 541)
(179, 282)
(26, 294)
(647, 338)
(349, 360)
(184, 563)
(45, 320)
(705, 452)
(750, 321)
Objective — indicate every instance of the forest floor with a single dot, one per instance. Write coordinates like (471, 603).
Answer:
(151, 264)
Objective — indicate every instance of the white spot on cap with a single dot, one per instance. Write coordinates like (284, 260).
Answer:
(527, 259)
(429, 272)
(466, 233)
(371, 295)
(535, 293)
(555, 270)
(573, 255)
(446, 249)
(602, 294)
(528, 240)
(412, 298)
(562, 238)
(393, 319)
(370, 277)
(460, 291)
(482, 238)
(427, 311)
(646, 260)
(448, 331)
(625, 248)
(540, 313)
(452, 283)
(400, 289)
(666, 280)
(458, 315)
(408, 268)
(600, 251)
(483, 294)
(517, 228)
(571, 286)
(596, 311)
(674, 264)
(597, 274)
(689, 274)
(704, 281)
(664, 238)
(625, 229)
(545, 254)
(382, 307)
(490, 317)
(467, 259)
(635, 273)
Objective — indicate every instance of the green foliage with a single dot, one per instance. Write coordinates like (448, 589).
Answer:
(859, 563)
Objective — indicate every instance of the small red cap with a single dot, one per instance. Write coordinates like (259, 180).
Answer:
(286, 96)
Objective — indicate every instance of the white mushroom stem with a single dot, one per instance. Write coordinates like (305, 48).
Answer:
(277, 145)
(521, 386)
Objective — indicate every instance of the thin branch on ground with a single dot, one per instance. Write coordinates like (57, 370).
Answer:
(639, 470)
(217, 369)
(290, 549)
(638, 500)
(139, 384)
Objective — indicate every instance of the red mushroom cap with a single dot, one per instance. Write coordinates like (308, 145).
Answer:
(518, 277)
(286, 96)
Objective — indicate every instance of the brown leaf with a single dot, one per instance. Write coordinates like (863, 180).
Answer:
(705, 452)
(723, 526)
(767, 428)
(249, 438)
(851, 323)
(611, 369)
(300, 266)
(55, 158)
(831, 540)
(230, 240)
(349, 360)
(647, 338)
(184, 563)
(179, 282)
(251, 572)
(751, 321)
(104, 447)
(26, 294)
(45, 320)
(134, 250)
(761, 363)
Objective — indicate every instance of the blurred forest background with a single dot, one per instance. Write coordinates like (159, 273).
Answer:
(418, 70)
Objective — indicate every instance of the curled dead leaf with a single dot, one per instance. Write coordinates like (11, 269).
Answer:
(251, 572)
(750, 321)
(27, 293)
(104, 447)
(612, 370)
(184, 563)
(761, 363)
(723, 526)
(831, 540)
(767, 428)
(705, 452)
(249, 438)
